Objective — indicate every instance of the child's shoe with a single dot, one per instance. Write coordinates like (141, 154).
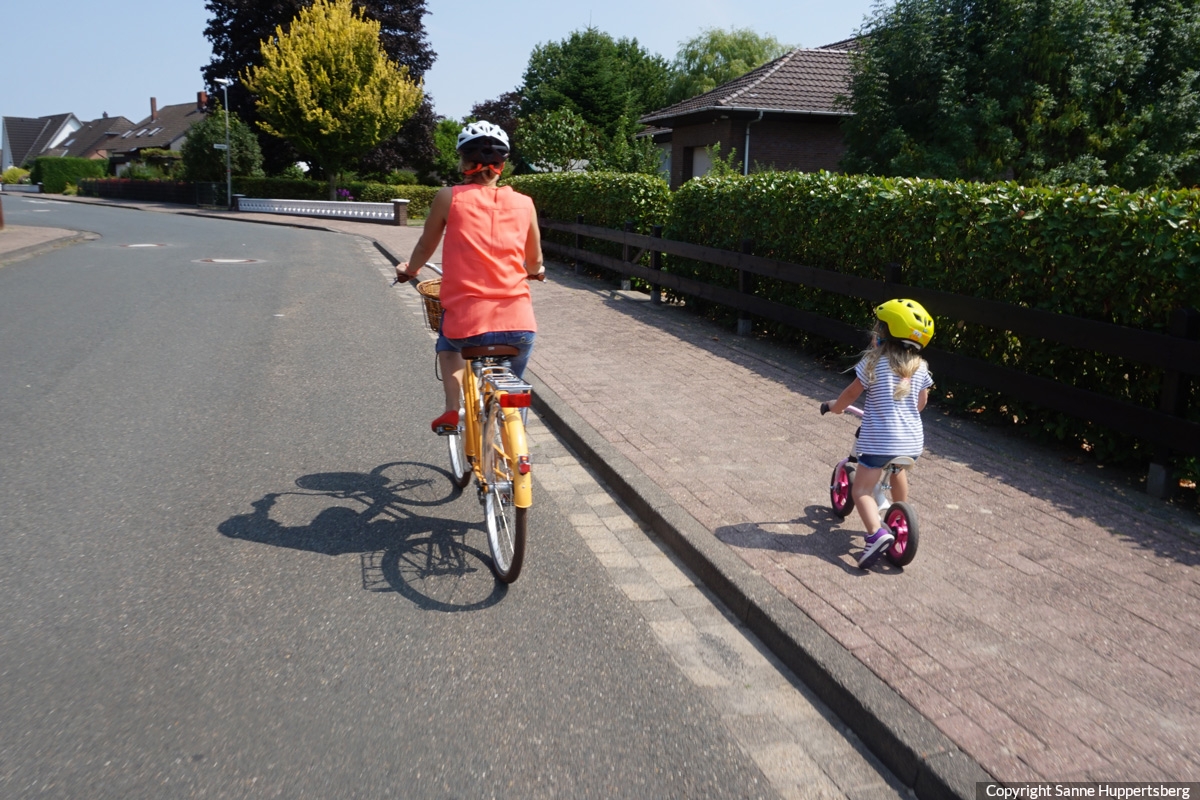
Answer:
(876, 545)
(446, 424)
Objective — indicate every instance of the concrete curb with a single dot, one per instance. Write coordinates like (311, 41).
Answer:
(73, 237)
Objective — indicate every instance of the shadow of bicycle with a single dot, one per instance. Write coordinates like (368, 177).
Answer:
(438, 563)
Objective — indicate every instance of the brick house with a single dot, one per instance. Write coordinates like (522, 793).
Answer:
(786, 114)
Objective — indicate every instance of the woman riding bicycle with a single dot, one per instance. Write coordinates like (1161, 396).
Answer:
(492, 246)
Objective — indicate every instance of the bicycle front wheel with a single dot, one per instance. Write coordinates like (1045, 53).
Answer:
(840, 485)
(460, 466)
(506, 524)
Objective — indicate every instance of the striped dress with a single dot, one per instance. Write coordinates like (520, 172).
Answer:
(891, 427)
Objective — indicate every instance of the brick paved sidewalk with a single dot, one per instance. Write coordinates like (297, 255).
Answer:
(1050, 625)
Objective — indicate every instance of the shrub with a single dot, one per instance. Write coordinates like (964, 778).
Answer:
(55, 173)
(14, 175)
(606, 199)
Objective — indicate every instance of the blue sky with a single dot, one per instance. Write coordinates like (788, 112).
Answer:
(114, 56)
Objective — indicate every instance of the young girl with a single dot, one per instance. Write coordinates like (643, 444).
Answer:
(896, 380)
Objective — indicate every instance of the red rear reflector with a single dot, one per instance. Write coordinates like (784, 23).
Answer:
(515, 400)
(523, 465)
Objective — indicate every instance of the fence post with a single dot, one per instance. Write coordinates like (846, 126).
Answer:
(626, 283)
(1, 213)
(578, 240)
(746, 286)
(893, 273)
(1185, 324)
(656, 264)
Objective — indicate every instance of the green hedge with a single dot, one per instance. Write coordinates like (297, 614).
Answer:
(606, 199)
(1128, 258)
(419, 197)
(54, 173)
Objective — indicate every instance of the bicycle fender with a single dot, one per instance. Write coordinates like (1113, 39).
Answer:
(513, 434)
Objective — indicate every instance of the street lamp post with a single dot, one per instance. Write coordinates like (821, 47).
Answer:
(228, 167)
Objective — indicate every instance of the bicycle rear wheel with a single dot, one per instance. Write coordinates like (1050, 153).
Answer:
(506, 524)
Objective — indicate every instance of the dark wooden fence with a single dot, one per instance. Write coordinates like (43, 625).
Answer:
(1177, 353)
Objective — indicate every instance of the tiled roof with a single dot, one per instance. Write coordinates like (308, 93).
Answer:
(27, 136)
(804, 81)
(160, 131)
(95, 136)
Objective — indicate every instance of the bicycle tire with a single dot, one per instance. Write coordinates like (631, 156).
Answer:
(901, 520)
(840, 485)
(506, 524)
(460, 466)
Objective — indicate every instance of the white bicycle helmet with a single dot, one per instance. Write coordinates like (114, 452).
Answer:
(483, 143)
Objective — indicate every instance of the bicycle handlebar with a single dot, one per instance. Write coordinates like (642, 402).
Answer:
(853, 410)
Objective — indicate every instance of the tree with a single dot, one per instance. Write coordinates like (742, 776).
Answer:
(717, 56)
(1049, 91)
(411, 148)
(558, 141)
(445, 138)
(605, 83)
(328, 88)
(237, 29)
(599, 79)
(203, 162)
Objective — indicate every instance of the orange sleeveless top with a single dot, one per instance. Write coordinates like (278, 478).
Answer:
(483, 256)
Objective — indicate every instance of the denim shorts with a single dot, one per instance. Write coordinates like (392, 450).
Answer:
(522, 340)
(876, 462)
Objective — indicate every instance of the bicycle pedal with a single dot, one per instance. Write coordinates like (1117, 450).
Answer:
(446, 431)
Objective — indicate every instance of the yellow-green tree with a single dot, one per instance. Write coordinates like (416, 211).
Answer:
(327, 86)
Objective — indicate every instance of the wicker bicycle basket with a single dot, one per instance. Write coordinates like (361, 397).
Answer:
(431, 292)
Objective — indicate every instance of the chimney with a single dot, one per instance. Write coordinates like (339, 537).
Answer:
(154, 109)
(201, 101)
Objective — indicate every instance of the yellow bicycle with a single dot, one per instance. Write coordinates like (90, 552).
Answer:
(490, 443)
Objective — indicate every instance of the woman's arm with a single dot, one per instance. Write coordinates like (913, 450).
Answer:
(534, 265)
(431, 236)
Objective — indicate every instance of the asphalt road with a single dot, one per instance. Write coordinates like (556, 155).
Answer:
(233, 566)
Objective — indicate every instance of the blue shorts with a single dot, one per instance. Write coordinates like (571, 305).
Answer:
(876, 462)
(522, 340)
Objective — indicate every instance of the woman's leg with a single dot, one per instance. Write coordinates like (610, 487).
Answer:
(451, 364)
(863, 492)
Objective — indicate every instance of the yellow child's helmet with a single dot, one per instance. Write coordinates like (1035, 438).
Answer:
(907, 322)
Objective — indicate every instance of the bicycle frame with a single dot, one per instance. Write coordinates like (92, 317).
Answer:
(883, 486)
